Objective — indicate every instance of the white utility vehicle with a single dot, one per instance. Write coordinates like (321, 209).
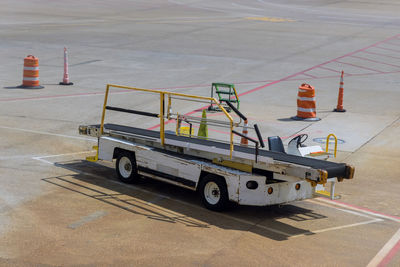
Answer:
(221, 171)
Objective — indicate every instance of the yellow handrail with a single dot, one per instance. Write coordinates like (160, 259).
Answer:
(327, 143)
(162, 108)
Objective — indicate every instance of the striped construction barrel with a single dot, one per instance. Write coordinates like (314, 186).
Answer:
(31, 72)
(306, 103)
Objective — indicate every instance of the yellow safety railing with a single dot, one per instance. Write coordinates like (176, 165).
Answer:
(162, 108)
(327, 143)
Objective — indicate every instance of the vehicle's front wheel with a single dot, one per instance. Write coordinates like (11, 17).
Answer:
(126, 167)
(214, 193)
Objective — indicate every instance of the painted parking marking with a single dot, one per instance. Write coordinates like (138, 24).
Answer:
(338, 227)
(48, 133)
(387, 252)
(362, 210)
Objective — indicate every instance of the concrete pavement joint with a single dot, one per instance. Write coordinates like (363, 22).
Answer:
(89, 218)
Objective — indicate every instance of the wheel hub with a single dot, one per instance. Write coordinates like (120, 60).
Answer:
(128, 167)
(125, 167)
(215, 193)
(212, 193)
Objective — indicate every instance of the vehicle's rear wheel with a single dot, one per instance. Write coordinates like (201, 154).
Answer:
(126, 167)
(214, 193)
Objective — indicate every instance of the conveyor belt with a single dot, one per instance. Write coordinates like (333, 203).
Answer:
(334, 169)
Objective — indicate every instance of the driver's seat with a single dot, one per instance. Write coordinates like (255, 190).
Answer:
(275, 144)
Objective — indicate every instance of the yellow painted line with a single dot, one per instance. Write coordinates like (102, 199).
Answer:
(325, 193)
(269, 19)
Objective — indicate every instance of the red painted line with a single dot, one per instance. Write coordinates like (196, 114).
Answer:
(317, 66)
(294, 75)
(357, 66)
(379, 54)
(379, 62)
(390, 255)
(388, 49)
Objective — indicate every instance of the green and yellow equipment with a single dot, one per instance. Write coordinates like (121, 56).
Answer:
(225, 92)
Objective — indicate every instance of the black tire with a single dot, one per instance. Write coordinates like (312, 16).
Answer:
(214, 193)
(126, 167)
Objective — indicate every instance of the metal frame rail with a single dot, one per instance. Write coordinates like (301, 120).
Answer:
(161, 115)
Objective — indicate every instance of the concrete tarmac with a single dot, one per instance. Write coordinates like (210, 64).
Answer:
(56, 209)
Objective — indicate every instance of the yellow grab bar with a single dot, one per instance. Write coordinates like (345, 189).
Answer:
(327, 143)
(162, 108)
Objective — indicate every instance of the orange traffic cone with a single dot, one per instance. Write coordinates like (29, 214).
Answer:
(66, 75)
(339, 107)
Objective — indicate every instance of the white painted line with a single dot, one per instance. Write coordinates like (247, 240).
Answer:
(339, 227)
(88, 218)
(380, 257)
(47, 133)
(42, 158)
(359, 209)
(336, 208)
(44, 161)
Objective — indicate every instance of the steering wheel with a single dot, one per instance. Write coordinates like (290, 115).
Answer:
(300, 139)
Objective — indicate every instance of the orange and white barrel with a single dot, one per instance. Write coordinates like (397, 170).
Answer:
(31, 72)
(306, 103)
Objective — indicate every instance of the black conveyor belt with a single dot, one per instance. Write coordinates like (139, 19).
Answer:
(334, 169)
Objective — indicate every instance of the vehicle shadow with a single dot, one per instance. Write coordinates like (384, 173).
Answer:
(171, 204)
